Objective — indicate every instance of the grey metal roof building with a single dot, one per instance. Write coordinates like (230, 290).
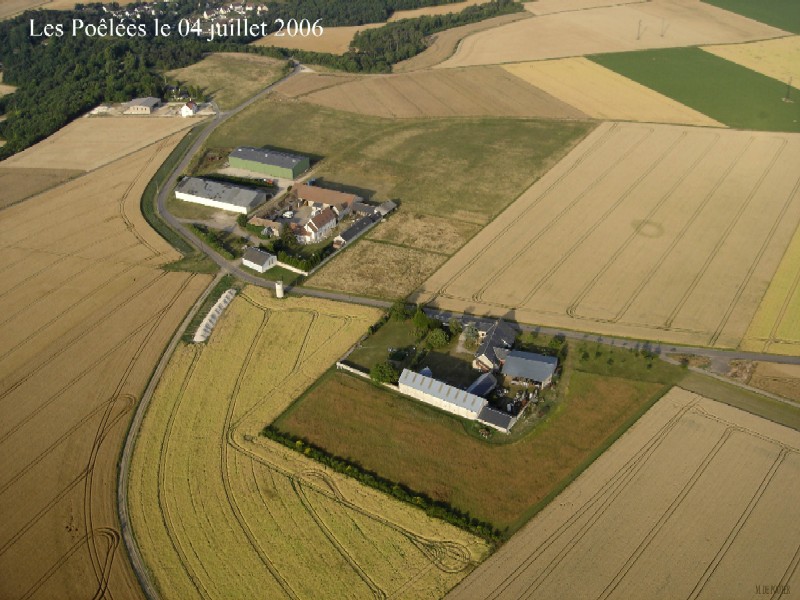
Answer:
(440, 394)
(148, 102)
(269, 162)
(499, 335)
(529, 366)
(356, 229)
(221, 195)
(483, 385)
(497, 419)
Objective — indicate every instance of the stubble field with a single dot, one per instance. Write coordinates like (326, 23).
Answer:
(546, 7)
(87, 314)
(604, 94)
(653, 232)
(480, 91)
(231, 78)
(696, 500)
(220, 512)
(624, 28)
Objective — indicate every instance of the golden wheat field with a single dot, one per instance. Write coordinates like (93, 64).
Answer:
(230, 78)
(546, 7)
(18, 184)
(604, 94)
(220, 512)
(479, 91)
(91, 142)
(648, 231)
(783, 380)
(87, 312)
(696, 500)
(623, 28)
(779, 59)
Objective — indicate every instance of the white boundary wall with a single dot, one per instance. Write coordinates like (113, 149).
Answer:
(207, 326)
(211, 203)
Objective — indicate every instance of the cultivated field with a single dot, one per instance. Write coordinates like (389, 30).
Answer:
(779, 59)
(425, 232)
(444, 9)
(335, 40)
(92, 142)
(653, 232)
(18, 184)
(731, 94)
(779, 13)
(783, 380)
(11, 8)
(443, 44)
(87, 312)
(231, 78)
(377, 269)
(220, 512)
(547, 7)
(604, 94)
(479, 91)
(696, 500)
(656, 24)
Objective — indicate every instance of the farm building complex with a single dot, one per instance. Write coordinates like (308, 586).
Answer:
(269, 162)
(441, 395)
(219, 195)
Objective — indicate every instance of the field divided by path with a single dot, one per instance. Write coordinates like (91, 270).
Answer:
(649, 231)
(220, 512)
(696, 500)
(87, 311)
(623, 28)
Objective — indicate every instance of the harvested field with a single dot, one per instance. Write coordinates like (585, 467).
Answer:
(87, 312)
(222, 512)
(696, 500)
(624, 28)
(604, 94)
(309, 82)
(783, 380)
(335, 40)
(231, 78)
(779, 59)
(383, 270)
(443, 44)
(91, 142)
(547, 7)
(721, 89)
(480, 91)
(19, 184)
(444, 9)
(653, 232)
(424, 232)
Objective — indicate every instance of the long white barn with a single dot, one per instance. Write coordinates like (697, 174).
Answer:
(441, 395)
(219, 195)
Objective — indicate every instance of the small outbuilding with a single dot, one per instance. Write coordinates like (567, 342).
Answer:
(258, 260)
(352, 232)
(530, 368)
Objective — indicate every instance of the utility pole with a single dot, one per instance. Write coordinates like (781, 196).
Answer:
(788, 91)
(639, 31)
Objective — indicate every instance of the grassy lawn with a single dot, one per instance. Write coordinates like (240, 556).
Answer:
(723, 90)
(783, 14)
(231, 78)
(501, 481)
(375, 349)
(467, 169)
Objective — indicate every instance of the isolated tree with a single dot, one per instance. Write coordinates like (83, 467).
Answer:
(437, 338)
(471, 335)
(421, 322)
(399, 310)
(454, 325)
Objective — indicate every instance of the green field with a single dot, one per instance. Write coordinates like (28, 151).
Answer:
(783, 14)
(463, 169)
(727, 92)
(502, 480)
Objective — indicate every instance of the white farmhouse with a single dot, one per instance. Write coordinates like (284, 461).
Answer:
(226, 196)
(189, 109)
(258, 260)
(441, 395)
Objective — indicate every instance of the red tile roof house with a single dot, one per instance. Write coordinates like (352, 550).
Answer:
(340, 202)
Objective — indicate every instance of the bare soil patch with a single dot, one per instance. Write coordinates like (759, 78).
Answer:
(657, 24)
(647, 231)
(696, 499)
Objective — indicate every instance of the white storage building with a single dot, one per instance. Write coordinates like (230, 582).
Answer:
(219, 195)
(258, 260)
(142, 106)
(441, 395)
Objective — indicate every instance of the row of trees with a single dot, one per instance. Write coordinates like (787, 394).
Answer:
(439, 510)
